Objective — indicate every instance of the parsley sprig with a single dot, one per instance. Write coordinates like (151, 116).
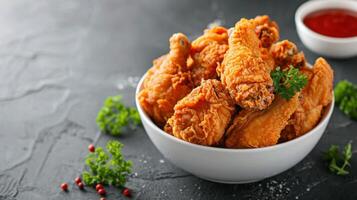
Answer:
(338, 163)
(346, 98)
(108, 168)
(114, 116)
(287, 82)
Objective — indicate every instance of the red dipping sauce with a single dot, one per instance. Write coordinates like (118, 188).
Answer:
(340, 23)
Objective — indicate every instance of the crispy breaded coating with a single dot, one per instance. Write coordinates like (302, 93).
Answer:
(268, 33)
(243, 71)
(267, 30)
(253, 129)
(285, 53)
(168, 81)
(314, 97)
(207, 51)
(203, 115)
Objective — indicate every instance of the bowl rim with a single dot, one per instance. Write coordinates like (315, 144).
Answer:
(321, 5)
(326, 116)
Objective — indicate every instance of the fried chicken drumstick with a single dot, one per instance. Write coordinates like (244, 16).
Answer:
(207, 51)
(168, 81)
(243, 71)
(203, 115)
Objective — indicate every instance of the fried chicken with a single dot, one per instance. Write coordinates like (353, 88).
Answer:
(203, 115)
(168, 81)
(267, 30)
(253, 129)
(268, 33)
(314, 97)
(207, 51)
(243, 71)
(285, 53)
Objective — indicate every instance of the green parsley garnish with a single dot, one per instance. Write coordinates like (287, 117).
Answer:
(287, 82)
(106, 169)
(338, 163)
(113, 116)
(346, 98)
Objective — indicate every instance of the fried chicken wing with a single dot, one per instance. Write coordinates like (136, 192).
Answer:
(203, 115)
(168, 81)
(285, 53)
(243, 71)
(314, 97)
(207, 51)
(253, 129)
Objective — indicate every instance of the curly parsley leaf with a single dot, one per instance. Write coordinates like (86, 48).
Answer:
(288, 82)
(346, 98)
(108, 168)
(114, 116)
(338, 163)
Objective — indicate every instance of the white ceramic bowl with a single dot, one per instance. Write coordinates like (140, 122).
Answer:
(324, 45)
(232, 165)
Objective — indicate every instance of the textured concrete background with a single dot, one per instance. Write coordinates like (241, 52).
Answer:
(60, 59)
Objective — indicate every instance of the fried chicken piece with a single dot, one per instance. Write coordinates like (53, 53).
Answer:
(267, 30)
(167, 81)
(203, 115)
(243, 71)
(285, 53)
(314, 97)
(207, 51)
(253, 129)
(268, 33)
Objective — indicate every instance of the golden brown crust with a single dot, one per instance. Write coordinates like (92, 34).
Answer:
(206, 52)
(253, 129)
(203, 115)
(267, 30)
(243, 71)
(268, 33)
(314, 97)
(167, 81)
(285, 53)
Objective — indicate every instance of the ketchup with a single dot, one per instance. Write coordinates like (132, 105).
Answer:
(340, 23)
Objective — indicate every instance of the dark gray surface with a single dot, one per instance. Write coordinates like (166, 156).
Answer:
(60, 59)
